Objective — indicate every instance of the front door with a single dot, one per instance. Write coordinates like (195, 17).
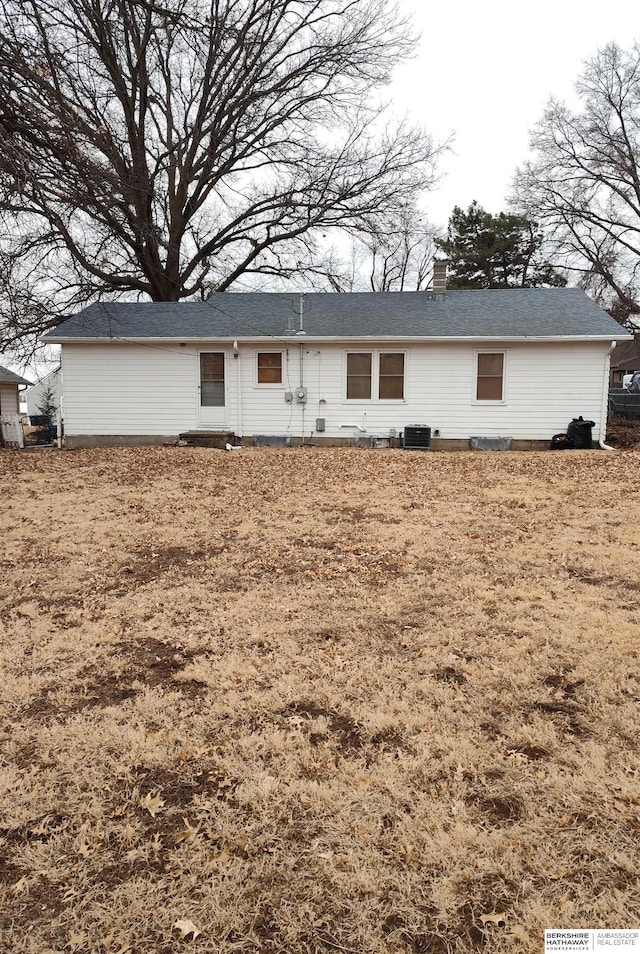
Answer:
(212, 388)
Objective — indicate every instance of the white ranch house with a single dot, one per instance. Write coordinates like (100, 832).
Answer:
(517, 364)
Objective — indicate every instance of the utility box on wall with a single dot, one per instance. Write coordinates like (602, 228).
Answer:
(320, 423)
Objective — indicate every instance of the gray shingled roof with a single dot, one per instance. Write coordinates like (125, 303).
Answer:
(535, 312)
(8, 377)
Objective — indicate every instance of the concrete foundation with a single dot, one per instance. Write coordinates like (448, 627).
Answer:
(72, 441)
(450, 444)
(272, 440)
(530, 445)
(136, 440)
(298, 442)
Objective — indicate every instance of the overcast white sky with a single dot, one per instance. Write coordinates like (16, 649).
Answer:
(485, 70)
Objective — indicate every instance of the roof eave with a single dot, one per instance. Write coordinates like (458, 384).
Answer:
(18, 381)
(318, 339)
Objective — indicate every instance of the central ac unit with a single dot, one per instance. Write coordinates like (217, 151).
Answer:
(417, 437)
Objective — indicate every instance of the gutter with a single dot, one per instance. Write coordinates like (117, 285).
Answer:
(605, 398)
(329, 339)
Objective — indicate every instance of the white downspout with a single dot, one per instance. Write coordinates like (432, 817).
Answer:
(303, 405)
(236, 355)
(605, 399)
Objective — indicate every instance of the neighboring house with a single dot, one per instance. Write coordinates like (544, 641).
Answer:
(51, 384)
(9, 387)
(624, 360)
(516, 363)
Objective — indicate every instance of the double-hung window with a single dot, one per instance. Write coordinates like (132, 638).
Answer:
(269, 367)
(359, 375)
(391, 376)
(490, 376)
(375, 375)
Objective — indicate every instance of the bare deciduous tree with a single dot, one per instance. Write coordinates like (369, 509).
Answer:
(583, 183)
(401, 259)
(164, 150)
(393, 255)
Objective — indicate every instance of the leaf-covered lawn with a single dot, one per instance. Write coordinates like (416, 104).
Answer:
(317, 700)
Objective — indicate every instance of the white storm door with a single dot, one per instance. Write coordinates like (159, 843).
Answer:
(212, 388)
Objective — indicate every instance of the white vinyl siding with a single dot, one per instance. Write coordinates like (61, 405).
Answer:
(8, 399)
(545, 387)
(129, 389)
(35, 395)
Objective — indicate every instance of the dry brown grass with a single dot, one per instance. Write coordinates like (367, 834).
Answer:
(317, 701)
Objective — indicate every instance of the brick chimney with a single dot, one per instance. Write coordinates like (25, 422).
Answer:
(439, 285)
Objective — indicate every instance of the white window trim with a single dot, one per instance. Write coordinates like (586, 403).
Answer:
(263, 385)
(483, 402)
(375, 376)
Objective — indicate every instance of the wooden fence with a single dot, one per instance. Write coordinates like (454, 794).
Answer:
(11, 429)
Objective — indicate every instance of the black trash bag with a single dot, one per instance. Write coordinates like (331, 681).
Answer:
(560, 442)
(579, 433)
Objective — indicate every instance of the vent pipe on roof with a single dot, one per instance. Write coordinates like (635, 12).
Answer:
(301, 309)
(439, 285)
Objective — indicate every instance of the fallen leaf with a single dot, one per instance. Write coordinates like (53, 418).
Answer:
(498, 919)
(223, 856)
(566, 904)
(186, 928)
(112, 943)
(188, 836)
(49, 826)
(86, 849)
(128, 832)
(153, 803)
